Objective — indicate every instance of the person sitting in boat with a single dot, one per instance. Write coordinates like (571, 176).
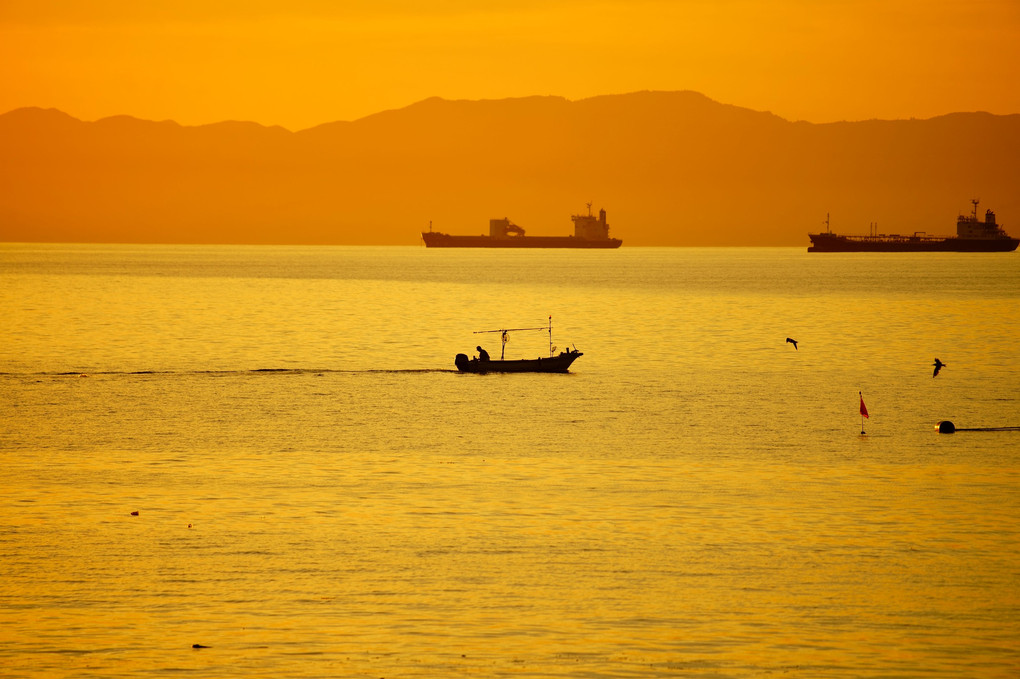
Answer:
(483, 355)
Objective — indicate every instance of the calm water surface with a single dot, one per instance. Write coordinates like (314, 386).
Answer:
(320, 493)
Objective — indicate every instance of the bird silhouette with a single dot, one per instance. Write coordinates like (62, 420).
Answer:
(792, 341)
(938, 366)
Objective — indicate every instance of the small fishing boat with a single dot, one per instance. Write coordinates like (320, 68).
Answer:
(554, 363)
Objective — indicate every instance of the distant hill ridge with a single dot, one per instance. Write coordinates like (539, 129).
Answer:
(670, 168)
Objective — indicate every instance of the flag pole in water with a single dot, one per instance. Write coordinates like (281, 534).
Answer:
(864, 412)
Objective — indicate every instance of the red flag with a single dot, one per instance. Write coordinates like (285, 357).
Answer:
(864, 408)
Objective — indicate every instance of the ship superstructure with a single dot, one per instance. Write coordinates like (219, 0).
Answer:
(589, 228)
(968, 226)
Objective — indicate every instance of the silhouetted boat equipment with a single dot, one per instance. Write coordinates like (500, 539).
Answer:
(972, 235)
(589, 232)
(555, 363)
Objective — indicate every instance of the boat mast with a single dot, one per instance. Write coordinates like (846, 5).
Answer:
(505, 337)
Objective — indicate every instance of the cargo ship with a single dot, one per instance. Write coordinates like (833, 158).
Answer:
(972, 235)
(589, 232)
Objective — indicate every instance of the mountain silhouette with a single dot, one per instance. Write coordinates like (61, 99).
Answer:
(670, 168)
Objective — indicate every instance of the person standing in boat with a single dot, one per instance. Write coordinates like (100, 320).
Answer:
(483, 355)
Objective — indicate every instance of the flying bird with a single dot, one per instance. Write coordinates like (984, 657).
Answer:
(792, 341)
(938, 366)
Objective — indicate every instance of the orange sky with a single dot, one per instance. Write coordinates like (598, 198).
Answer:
(303, 62)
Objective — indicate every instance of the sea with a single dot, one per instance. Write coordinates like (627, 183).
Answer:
(261, 461)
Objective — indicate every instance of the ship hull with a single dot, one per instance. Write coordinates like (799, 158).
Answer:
(824, 242)
(442, 240)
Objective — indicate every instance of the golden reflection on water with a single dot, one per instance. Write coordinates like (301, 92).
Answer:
(403, 566)
(692, 500)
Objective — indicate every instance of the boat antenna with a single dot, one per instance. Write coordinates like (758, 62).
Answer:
(975, 201)
(589, 213)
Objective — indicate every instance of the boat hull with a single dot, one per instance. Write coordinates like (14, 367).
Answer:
(825, 242)
(553, 364)
(443, 240)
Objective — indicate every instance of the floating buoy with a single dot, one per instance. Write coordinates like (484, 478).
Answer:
(947, 427)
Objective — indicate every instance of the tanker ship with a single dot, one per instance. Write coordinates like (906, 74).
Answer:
(589, 232)
(972, 235)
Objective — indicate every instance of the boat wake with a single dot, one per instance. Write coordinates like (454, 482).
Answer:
(255, 371)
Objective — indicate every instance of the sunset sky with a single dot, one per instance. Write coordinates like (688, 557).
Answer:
(304, 62)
